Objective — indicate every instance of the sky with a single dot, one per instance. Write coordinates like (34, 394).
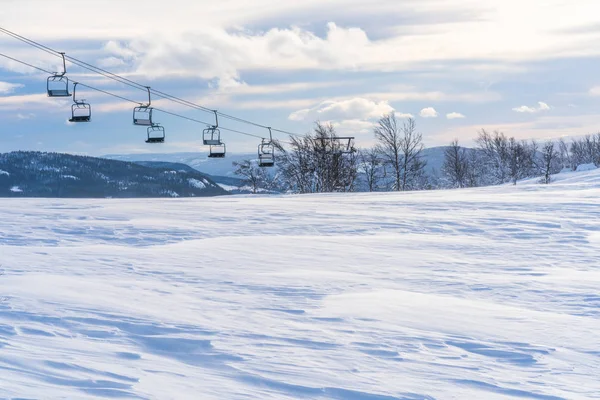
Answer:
(527, 68)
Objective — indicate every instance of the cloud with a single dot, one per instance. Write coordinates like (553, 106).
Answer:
(7, 88)
(428, 112)
(455, 115)
(595, 91)
(531, 110)
(352, 109)
(24, 117)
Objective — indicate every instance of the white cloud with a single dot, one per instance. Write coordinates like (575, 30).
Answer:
(428, 112)
(595, 91)
(531, 110)
(7, 88)
(455, 115)
(352, 109)
(23, 117)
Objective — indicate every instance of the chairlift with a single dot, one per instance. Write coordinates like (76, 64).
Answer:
(57, 85)
(217, 151)
(266, 152)
(211, 136)
(349, 146)
(341, 145)
(142, 115)
(156, 134)
(80, 110)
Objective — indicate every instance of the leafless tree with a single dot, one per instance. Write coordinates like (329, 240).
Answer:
(550, 161)
(496, 155)
(372, 167)
(401, 148)
(456, 165)
(521, 159)
(564, 154)
(253, 175)
(318, 163)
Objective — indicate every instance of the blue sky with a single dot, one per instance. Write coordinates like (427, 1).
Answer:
(528, 68)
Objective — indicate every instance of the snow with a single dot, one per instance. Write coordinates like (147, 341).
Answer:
(2, 172)
(197, 183)
(16, 189)
(229, 188)
(586, 167)
(487, 293)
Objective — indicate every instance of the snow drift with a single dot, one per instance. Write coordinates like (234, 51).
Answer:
(487, 293)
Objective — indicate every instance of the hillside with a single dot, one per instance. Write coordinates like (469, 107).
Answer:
(488, 293)
(229, 183)
(198, 161)
(36, 174)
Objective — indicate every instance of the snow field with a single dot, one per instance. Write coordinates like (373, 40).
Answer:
(488, 293)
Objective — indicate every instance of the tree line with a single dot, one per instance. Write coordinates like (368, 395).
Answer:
(320, 162)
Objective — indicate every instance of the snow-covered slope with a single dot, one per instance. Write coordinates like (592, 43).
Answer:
(465, 294)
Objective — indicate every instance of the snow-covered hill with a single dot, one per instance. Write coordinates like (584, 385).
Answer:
(487, 293)
(223, 166)
(199, 161)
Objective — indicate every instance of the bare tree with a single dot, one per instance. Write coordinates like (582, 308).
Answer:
(389, 145)
(564, 154)
(319, 163)
(373, 168)
(496, 155)
(456, 165)
(520, 159)
(550, 161)
(254, 176)
(400, 148)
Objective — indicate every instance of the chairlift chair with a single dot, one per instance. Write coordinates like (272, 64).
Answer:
(80, 110)
(211, 136)
(217, 151)
(266, 152)
(156, 134)
(142, 114)
(57, 85)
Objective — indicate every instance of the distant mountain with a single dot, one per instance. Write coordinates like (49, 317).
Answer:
(229, 183)
(36, 174)
(222, 167)
(199, 161)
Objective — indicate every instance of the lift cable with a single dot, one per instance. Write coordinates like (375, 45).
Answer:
(136, 85)
(130, 100)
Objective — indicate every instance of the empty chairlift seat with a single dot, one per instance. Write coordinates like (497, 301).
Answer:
(142, 115)
(58, 86)
(211, 136)
(217, 151)
(156, 134)
(81, 112)
(266, 154)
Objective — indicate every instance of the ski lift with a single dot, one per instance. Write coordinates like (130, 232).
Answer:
(156, 134)
(340, 145)
(80, 110)
(217, 151)
(57, 85)
(142, 115)
(211, 136)
(348, 148)
(266, 152)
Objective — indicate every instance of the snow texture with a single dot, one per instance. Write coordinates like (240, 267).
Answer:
(586, 167)
(196, 183)
(485, 293)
